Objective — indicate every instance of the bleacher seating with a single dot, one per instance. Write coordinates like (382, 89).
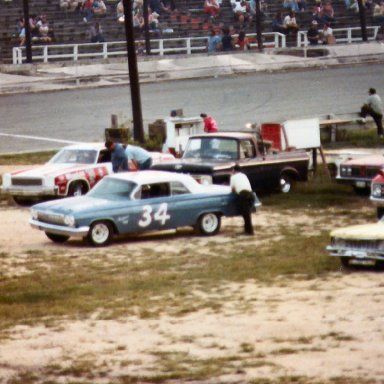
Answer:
(190, 21)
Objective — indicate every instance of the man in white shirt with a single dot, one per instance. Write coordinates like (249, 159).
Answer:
(242, 187)
(374, 107)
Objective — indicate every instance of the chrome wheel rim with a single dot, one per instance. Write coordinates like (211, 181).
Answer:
(285, 185)
(100, 233)
(209, 223)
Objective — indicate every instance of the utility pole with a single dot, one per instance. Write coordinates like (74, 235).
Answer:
(363, 23)
(138, 131)
(28, 45)
(259, 36)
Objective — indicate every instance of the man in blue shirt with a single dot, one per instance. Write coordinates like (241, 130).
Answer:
(119, 157)
(141, 158)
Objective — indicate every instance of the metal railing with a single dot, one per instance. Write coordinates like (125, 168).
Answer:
(76, 52)
(342, 35)
(189, 45)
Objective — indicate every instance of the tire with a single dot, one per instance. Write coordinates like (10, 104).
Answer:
(380, 212)
(57, 238)
(361, 191)
(77, 188)
(285, 183)
(208, 224)
(100, 234)
(345, 262)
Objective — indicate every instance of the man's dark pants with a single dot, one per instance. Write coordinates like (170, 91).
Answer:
(246, 200)
(377, 117)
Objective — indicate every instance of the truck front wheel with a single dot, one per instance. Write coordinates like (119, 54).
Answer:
(285, 185)
(380, 212)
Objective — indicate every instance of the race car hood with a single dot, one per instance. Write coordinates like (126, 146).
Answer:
(75, 205)
(194, 165)
(373, 231)
(50, 170)
(374, 160)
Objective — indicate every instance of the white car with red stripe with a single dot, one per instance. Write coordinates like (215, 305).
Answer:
(72, 171)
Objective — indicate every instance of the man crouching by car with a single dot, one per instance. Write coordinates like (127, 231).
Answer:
(242, 187)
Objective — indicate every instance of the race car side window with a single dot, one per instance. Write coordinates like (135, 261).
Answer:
(178, 188)
(150, 191)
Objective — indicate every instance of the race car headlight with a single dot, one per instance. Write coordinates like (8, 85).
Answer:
(376, 190)
(69, 220)
(34, 214)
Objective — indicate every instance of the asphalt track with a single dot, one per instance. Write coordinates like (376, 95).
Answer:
(51, 119)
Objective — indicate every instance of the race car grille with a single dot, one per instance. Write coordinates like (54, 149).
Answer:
(363, 245)
(26, 181)
(366, 172)
(50, 218)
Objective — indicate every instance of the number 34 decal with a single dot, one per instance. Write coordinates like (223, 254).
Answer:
(160, 215)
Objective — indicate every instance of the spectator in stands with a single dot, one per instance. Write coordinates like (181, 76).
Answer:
(43, 30)
(243, 42)
(291, 5)
(210, 125)
(20, 32)
(155, 6)
(242, 11)
(87, 10)
(212, 8)
(380, 34)
(313, 33)
(327, 14)
(290, 23)
(378, 13)
(138, 20)
(226, 40)
(69, 5)
(213, 42)
(327, 35)
(302, 4)
(96, 33)
(120, 11)
(99, 8)
(374, 107)
(153, 22)
(278, 23)
(167, 6)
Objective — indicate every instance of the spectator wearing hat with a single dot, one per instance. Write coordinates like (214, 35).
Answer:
(313, 33)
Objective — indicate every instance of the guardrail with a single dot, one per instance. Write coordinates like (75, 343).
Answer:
(75, 52)
(342, 35)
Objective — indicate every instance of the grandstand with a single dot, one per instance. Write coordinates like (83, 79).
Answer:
(68, 27)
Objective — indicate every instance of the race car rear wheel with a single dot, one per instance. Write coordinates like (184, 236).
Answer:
(57, 238)
(208, 224)
(380, 212)
(77, 188)
(100, 233)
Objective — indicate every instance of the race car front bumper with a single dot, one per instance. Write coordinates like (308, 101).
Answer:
(59, 229)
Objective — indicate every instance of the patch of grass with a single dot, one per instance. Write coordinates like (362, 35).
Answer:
(29, 158)
(361, 137)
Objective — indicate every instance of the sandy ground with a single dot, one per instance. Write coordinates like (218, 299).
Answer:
(320, 329)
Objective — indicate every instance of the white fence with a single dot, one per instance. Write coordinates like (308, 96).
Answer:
(75, 52)
(342, 35)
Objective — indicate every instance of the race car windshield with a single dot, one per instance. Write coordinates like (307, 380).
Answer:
(211, 148)
(113, 189)
(75, 156)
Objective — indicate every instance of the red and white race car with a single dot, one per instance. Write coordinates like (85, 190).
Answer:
(72, 171)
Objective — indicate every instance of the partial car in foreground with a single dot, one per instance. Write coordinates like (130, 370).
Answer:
(134, 202)
(360, 172)
(359, 244)
(72, 171)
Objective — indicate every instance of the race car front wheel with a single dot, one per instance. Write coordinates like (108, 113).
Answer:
(57, 238)
(100, 233)
(208, 224)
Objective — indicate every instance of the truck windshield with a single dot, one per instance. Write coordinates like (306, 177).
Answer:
(211, 148)
(109, 188)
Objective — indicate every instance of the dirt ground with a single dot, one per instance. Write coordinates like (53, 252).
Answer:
(321, 329)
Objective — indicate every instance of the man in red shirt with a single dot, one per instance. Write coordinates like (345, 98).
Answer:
(210, 125)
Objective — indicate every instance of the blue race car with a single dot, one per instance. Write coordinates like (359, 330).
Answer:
(135, 202)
